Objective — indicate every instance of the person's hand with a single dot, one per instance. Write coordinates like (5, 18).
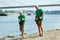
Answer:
(23, 18)
(40, 17)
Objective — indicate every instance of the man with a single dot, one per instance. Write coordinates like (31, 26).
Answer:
(39, 19)
(21, 22)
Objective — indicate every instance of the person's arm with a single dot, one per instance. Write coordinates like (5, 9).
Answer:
(19, 19)
(42, 13)
(42, 16)
(23, 18)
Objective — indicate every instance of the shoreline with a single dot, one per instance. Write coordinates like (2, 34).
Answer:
(48, 35)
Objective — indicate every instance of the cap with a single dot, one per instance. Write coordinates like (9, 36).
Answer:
(21, 11)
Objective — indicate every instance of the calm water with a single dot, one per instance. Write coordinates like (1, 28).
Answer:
(9, 24)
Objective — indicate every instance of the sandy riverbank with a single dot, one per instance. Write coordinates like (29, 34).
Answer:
(48, 35)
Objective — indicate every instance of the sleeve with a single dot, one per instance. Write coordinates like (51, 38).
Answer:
(41, 10)
(23, 16)
(19, 19)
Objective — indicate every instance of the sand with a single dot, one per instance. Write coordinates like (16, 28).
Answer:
(48, 35)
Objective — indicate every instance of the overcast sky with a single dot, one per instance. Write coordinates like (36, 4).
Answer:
(4, 3)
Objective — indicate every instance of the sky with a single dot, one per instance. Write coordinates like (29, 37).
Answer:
(7, 3)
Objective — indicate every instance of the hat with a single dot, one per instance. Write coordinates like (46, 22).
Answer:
(21, 11)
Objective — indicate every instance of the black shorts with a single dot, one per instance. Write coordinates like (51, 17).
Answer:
(21, 25)
(37, 21)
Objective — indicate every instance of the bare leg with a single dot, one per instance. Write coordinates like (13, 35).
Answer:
(40, 28)
(22, 30)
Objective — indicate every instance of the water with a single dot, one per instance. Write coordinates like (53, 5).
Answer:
(9, 24)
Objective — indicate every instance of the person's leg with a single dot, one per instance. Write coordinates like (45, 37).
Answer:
(21, 28)
(41, 28)
(22, 31)
(38, 29)
(38, 25)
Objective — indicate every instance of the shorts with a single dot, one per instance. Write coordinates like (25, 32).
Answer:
(38, 20)
(21, 25)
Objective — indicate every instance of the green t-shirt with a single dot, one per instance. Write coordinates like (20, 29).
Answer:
(39, 13)
(21, 18)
